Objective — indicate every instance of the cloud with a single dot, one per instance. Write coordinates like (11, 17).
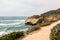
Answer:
(26, 7)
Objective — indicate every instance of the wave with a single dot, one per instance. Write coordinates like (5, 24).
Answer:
(6, 32)
(2, 24)
(8, 26)
(13, 22)
(2, 33)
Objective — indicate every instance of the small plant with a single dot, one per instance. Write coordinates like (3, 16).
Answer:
(12, 36)
(55, 33)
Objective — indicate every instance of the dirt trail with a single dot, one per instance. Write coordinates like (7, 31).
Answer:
(42, 34)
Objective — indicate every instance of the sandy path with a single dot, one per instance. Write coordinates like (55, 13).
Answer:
(42, 34)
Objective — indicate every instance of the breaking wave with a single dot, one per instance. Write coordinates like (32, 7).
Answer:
(7, 26)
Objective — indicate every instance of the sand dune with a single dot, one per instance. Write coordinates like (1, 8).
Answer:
(42, 34)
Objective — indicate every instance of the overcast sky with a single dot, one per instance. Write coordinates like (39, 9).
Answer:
(27, 7)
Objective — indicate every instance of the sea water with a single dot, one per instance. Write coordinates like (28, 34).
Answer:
(12, 23)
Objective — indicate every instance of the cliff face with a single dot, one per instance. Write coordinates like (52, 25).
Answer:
(33, 20)
(52, 15)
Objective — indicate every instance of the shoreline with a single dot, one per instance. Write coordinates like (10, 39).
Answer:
(42, 34)
(4, 32)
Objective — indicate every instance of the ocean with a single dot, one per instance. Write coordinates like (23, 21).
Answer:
(12, 23)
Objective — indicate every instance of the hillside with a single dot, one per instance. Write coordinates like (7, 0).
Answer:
(52, 15)
(42, 34)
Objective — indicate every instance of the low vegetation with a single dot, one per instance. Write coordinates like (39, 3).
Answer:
(45, 23)
(32, 29)
(55, 33)
(12, 36)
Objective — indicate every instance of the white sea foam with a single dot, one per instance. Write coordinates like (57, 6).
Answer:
(4, 32)
(6, 26)
(12, 20)
(1, 33)
(13, 23)
(2, 24)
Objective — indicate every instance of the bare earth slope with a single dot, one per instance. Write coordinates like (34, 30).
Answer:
(42, 34)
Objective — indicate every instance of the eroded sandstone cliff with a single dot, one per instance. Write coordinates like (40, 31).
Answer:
(52, 15)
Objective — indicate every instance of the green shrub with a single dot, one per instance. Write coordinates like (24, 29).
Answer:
(55, 33)
(12, 36)
(33, 28)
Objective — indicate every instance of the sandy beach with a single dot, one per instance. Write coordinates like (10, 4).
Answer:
(42, 34)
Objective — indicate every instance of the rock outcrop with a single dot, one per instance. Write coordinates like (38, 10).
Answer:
(52, 15)
(33, 20)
